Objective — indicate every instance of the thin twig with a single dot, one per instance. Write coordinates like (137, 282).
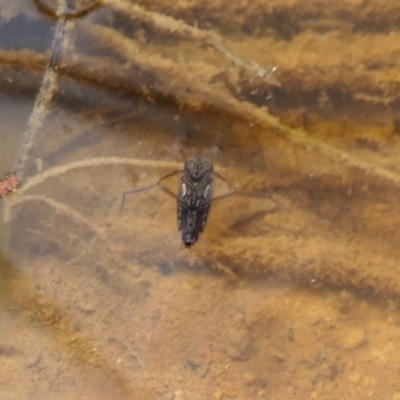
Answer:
(72, 9)
(47, 89)
(171, 79)
(178, 28)
(202, 96)
(206, 95)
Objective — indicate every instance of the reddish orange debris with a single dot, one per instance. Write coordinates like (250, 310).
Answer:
(8, 184)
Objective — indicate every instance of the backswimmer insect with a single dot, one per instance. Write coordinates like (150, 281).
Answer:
(195, 195)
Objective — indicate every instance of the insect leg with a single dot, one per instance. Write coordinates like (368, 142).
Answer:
(141, 189)
(226, 195)
(222, 197)
(219, 176)
(166, 190)
(258, 195)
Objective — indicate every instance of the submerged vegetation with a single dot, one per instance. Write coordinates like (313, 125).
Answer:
(301, 97)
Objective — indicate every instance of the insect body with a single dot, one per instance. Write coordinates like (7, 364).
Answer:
(195, 195)
(196, 188)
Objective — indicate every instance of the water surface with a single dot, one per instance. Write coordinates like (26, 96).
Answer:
(301, 99)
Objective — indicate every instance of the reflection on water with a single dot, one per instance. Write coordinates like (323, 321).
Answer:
(268, 304)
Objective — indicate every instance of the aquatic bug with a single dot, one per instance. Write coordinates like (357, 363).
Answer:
(195, 195)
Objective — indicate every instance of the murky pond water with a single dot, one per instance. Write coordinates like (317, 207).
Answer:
(301, 98)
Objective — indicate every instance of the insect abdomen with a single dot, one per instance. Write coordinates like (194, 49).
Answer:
(192, 221)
